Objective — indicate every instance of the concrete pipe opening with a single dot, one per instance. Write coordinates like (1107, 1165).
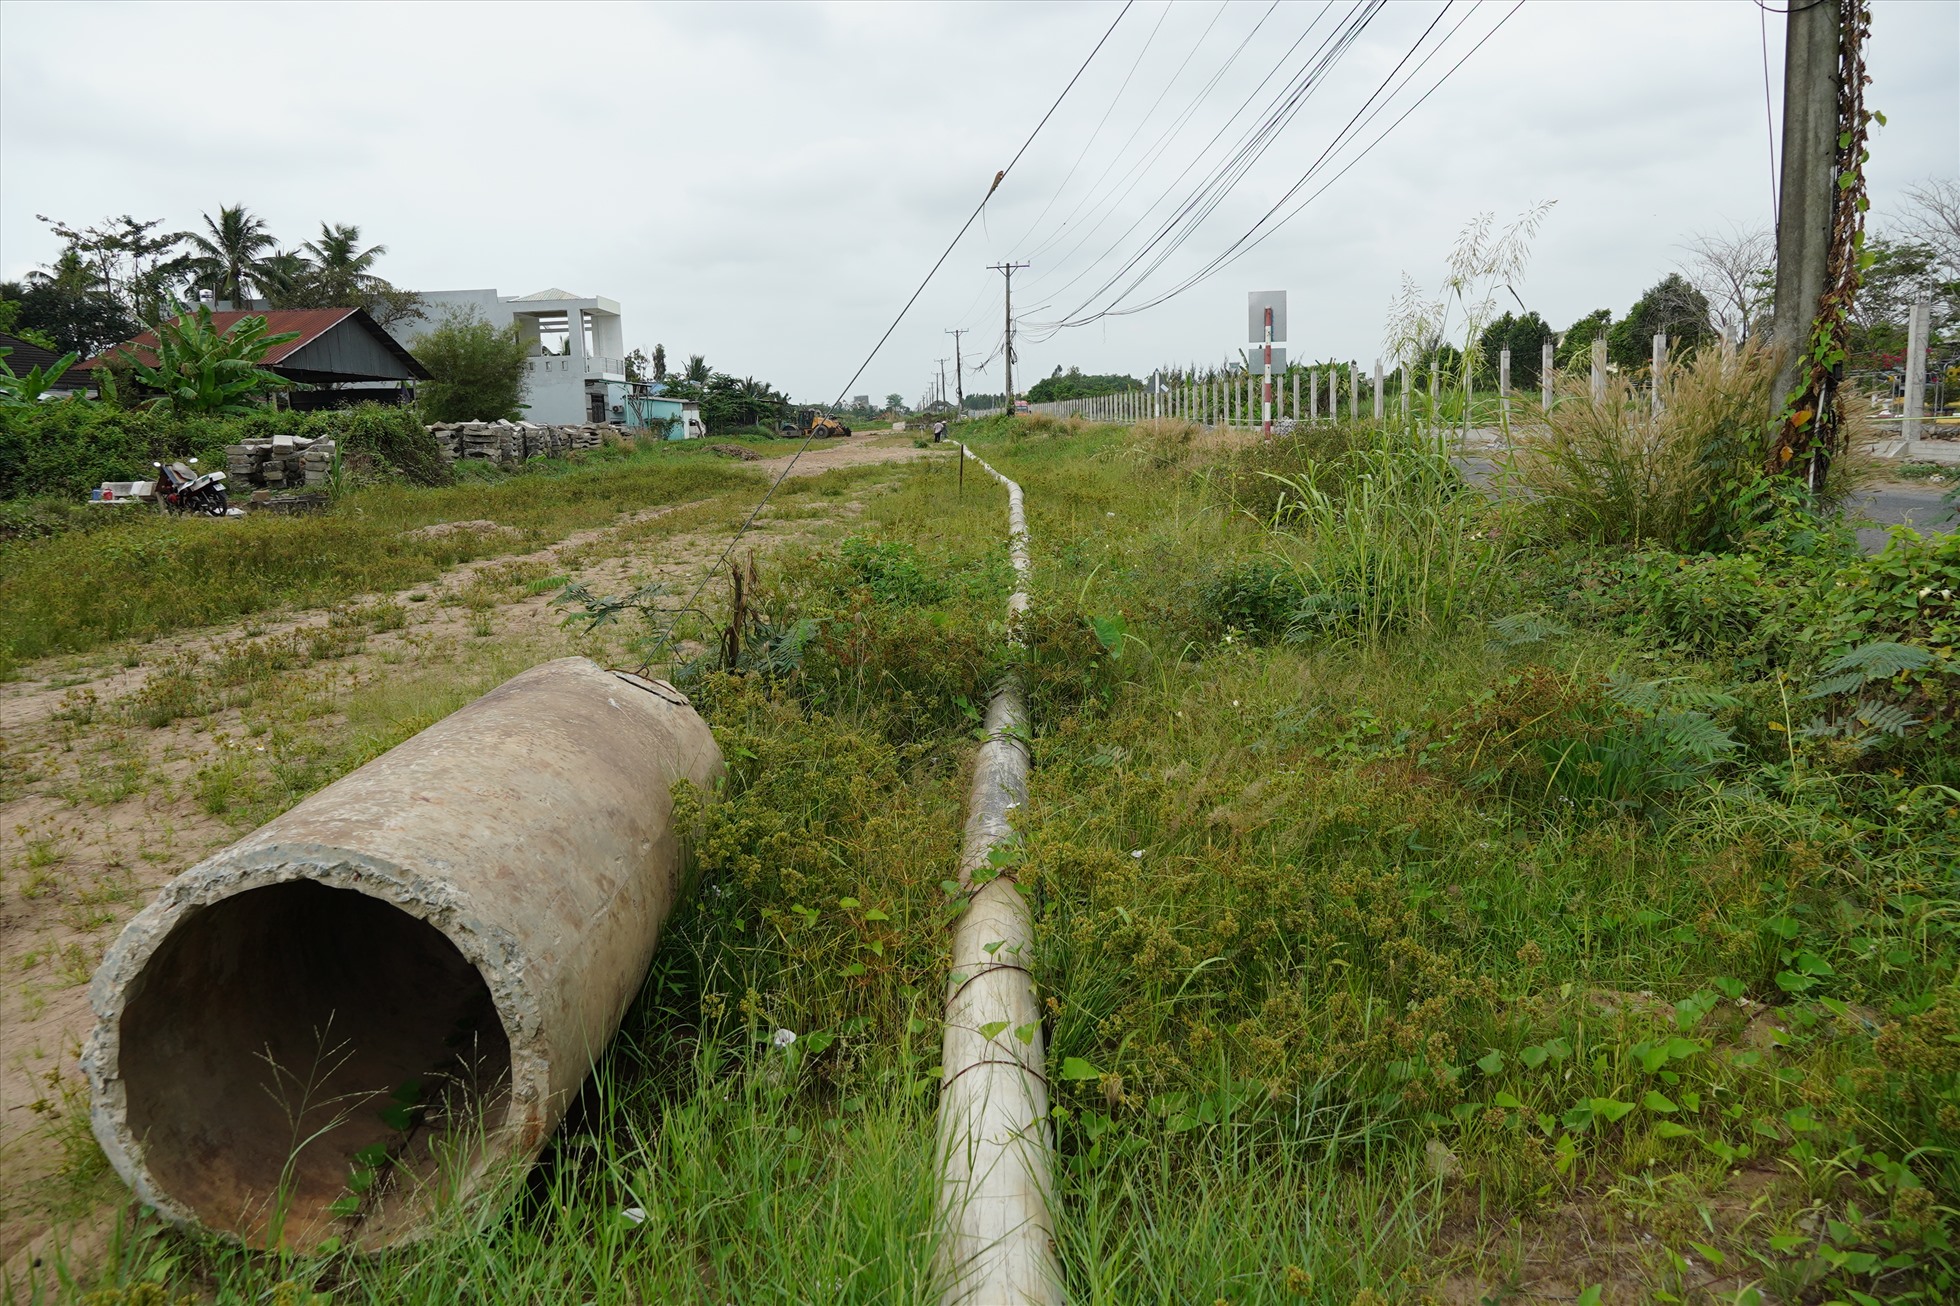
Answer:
(356, 1020)
(276, 1039)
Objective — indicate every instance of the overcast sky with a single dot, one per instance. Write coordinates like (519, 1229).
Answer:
(767, 184)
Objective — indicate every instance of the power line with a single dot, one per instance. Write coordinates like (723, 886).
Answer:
(1139, 170)
(939, 262)
(1265, 226)
(1101, 122)
(1223, 177)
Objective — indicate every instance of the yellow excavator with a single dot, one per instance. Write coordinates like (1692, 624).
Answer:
(816, 425)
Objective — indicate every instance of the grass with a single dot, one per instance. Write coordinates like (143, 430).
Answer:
(152, 575)
(1522, 944)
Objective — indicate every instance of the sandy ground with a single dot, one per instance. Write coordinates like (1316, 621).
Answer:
(98, 811)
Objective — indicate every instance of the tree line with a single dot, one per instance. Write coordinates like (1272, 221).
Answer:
(113, 279)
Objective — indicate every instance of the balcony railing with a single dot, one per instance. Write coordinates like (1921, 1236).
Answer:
(590, 366)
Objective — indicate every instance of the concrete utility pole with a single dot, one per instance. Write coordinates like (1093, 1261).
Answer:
(1007, 349)
(959, 373)
(942, 377)
(1809, 184)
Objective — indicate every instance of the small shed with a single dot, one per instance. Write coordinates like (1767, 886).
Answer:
(334, 347)
(26, 355)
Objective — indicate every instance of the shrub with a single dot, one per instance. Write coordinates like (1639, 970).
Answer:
(479, 371)
(1614, 472)
(1261, 479)
(66, 449)
(1395, 544)
(1258, 597)
(394, 438)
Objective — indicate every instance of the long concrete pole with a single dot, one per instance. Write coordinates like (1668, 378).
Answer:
(1807, 194)
(998, 1245)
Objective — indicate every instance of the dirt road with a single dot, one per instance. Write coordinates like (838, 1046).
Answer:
(122, 768)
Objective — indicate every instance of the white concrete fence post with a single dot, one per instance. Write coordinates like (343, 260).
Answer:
(1378, 389)
(1504, 385)
(1545, 374)
(1916, 323)
(1599, 369)
(1660, 367)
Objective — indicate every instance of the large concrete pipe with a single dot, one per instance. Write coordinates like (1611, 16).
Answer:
(998, 1245)
(361, 1015)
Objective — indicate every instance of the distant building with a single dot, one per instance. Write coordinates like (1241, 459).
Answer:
(577, 347)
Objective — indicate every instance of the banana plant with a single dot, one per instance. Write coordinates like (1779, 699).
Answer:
(25, 391)
(200, 369)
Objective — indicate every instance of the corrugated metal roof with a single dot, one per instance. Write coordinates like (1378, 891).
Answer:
(310, 323)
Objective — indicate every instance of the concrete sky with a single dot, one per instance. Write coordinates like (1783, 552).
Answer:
(766, 184)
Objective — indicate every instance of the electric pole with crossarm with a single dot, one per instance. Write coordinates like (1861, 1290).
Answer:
(959, 373)
(1007, 346)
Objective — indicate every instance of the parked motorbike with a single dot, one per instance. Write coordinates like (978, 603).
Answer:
(181, 489)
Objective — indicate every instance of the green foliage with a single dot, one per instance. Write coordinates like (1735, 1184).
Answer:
(67, 449)
(1672, 305)
(729, 404)
(890, 570)
(69, 315)
(201, 370)
(1074, 385)
(1525, 337)
(10, 322)
(480, 372)
(1575, 345)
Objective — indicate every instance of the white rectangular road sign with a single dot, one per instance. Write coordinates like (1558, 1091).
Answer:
(1257, 302)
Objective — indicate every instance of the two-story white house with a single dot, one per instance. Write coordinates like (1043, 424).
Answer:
(578, 350)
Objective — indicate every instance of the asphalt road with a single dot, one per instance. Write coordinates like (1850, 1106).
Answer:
(1898, 504)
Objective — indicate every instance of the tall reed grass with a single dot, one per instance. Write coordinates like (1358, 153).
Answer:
(1392, 540)
(1619, 471)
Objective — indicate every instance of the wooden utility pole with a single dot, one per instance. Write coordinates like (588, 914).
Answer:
(1805, 198)
(1007, 347)
(959, 373)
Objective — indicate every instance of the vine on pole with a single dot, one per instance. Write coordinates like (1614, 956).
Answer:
(1810, 433)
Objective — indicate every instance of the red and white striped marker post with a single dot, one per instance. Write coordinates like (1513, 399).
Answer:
(1266, 396)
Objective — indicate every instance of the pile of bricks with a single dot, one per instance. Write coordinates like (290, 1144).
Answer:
(513, 442)
(284, 462)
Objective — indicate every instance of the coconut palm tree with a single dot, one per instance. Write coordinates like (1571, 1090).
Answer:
(234, 250)
(341, 270)
(697, 369)
(70, 274)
